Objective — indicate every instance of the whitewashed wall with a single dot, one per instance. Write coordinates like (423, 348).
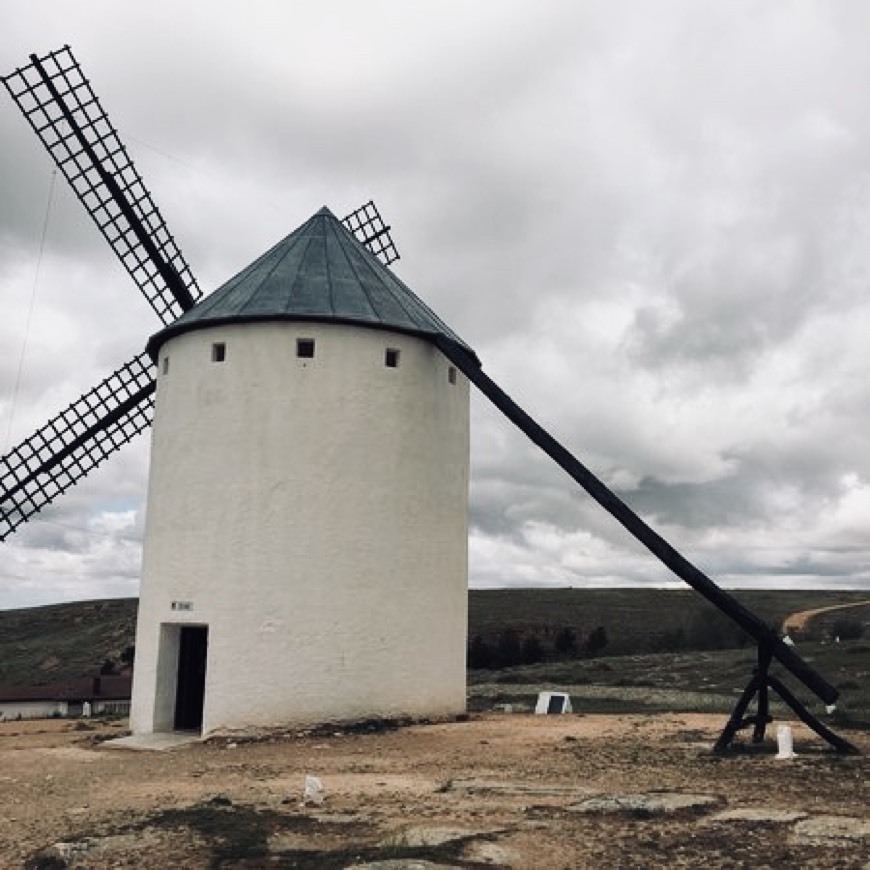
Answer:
(313, 514)
(10, 710)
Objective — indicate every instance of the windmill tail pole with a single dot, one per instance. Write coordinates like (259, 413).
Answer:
(657, 545)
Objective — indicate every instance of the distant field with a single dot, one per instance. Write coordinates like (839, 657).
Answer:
(644, 620)
(695, 681)
(655, 641)
(665, 649)
(62, 641)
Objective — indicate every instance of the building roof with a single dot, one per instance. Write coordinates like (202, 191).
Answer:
(320, 272)
(111, 687)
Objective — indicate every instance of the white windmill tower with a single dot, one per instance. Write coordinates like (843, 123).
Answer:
(305, 550)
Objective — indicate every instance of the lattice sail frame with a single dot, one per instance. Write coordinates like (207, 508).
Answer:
(369, 228)
(74, 442)
(64, 112)
(34, 473)
(66, 115)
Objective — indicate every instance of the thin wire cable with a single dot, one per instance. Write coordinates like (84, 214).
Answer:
(18, 374)
(196, 169)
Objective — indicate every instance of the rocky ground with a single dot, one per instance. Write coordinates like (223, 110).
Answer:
(499, 790)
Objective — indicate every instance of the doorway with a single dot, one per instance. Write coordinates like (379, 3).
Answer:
(190, 684)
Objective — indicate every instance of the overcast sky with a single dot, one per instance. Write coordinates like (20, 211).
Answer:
(650, 219)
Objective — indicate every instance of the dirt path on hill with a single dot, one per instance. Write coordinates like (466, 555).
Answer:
(798, 621)
(499, 790)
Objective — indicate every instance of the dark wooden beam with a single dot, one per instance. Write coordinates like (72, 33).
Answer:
(655, 543)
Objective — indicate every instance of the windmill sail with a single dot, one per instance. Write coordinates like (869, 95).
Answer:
(66, 115)
(70, 445)
(60, 106)
(369, 228)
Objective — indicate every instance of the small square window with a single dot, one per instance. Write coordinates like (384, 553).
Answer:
(166, 365)
(391, 358)
(305, 348)
(451, 374)
(218, 351)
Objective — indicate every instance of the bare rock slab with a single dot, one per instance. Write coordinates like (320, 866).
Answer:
(832, 831)
(424, 836)
(758, 816)
(650, 803)
(477, 850)
(492, 853)
(402, 864)
(519, 788)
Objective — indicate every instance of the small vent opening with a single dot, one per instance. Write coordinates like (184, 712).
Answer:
(218, 351)
(391, 358)
(166, 365)
(305, 348)
(451, 374)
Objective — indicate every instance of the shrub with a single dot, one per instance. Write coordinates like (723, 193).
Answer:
(533, 652)
(565, 643)
(671, 640)
(711, 629)
(509, 651)
(479, 653)
(847, 628)
(596, 641)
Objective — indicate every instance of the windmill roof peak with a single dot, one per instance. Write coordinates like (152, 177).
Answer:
(320, 272)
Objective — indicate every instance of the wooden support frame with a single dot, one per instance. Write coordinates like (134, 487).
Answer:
(770, 646)
(758, 688)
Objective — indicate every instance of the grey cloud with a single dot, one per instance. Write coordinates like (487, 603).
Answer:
(651, 222)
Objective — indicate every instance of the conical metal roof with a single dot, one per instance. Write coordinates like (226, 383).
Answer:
(320, 272)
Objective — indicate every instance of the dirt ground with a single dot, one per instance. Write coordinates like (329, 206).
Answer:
(503, 790)
(798, 621)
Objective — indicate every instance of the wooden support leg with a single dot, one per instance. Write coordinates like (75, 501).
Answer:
(735, 723)
(759, 684)
(811, 721)
(762, 715)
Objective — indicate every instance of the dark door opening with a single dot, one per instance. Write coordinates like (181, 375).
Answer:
(190, 688)
(556, 704)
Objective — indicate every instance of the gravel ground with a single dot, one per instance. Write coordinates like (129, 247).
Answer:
(503, 790)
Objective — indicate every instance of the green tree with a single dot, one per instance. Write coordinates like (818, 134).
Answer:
(710, 628)
(671, 640)
(509, 650)
(479, 653)
(596, 641)
(565, 643)
(533, 651)
(847, 628)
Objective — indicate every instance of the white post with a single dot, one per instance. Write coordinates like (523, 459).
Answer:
(784, 742)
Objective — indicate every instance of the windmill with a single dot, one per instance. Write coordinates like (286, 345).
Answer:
(325, 301)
